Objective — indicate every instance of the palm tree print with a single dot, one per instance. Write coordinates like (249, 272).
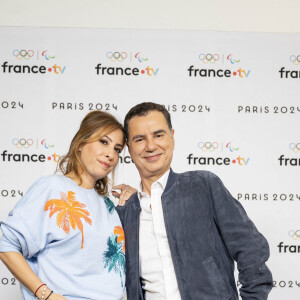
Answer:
(114, 256)
(69, 213)
(109, 205)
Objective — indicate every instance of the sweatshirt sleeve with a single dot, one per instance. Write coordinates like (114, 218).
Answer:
(245, 243)
(26, 230)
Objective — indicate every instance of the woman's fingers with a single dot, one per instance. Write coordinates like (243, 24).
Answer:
(115, 194)
(126, 192)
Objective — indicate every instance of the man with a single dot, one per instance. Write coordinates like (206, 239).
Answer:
(183, 232)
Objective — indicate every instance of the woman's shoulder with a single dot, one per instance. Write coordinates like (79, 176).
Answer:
(41, 190)
(48, 181)
(47, 186)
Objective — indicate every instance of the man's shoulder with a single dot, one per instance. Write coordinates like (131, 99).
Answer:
(197, 174)
(197, 179)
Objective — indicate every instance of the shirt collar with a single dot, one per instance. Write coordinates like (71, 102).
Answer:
(162, 181)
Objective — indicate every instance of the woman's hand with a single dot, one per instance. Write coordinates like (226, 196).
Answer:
(126, 192)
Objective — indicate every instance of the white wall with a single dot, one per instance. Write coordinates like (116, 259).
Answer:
(229, 15)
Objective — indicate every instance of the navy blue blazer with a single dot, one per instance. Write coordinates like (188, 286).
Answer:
(207, 230)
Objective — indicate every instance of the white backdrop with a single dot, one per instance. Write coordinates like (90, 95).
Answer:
(232, 98)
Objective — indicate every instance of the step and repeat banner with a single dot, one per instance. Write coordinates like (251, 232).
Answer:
(233, 99)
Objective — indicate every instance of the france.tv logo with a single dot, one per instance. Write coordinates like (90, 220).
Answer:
(120, 71)
(32, 69)
(213, 148)
(216, 59)
(129, 57)
(28, 56)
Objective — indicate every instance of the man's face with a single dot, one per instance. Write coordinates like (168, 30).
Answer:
(151, 144)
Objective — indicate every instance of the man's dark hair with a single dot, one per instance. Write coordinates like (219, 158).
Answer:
(143, 109)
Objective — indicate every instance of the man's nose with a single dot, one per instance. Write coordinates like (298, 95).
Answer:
(150, 145)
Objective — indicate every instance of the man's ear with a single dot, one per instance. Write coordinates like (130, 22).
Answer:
(173, 137)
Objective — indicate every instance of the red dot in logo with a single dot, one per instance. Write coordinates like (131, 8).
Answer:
(234, 161)
(234, 73)
(49, 157)
(50, 69)
(143, 71)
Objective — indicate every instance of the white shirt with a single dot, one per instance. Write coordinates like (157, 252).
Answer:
(156, 265)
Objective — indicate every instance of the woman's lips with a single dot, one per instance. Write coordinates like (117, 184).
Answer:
(106, 165)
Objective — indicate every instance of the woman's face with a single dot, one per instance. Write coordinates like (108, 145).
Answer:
(99, 158)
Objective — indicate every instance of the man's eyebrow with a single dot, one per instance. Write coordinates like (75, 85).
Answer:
(159, 131)
(142, 136)
(138, 136)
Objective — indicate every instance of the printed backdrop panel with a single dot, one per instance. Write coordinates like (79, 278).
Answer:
(233, 98)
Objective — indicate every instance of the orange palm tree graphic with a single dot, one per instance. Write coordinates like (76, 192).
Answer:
(69, 212)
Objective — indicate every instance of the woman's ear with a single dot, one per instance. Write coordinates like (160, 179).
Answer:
(80, 147)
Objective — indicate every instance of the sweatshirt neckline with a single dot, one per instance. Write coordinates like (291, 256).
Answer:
(78, 186)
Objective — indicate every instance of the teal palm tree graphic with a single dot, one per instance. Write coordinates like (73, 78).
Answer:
(114, 256)
(109, 205)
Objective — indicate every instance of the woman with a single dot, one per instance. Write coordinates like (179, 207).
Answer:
(64, 239)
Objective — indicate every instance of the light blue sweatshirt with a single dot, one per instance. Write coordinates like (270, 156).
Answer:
(71, 237)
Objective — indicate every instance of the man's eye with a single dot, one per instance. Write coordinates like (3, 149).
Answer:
(138, 140)
(104, 142)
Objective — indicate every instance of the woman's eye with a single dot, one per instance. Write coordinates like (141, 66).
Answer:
(104, 142)
(118, 150)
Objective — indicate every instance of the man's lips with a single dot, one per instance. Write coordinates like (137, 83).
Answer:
(106, 165)
(152, 157)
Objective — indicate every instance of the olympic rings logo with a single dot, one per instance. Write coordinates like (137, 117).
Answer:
(295, 59)
(23, 54)
(22, 143)
(209, 58)
(208, 146)
(295, 235)
(116, 56)
(295, 147)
